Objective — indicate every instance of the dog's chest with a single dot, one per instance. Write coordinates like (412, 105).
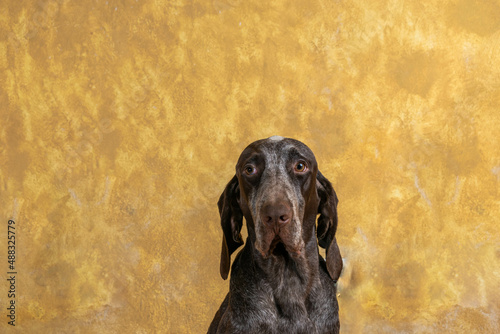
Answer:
(292, 309)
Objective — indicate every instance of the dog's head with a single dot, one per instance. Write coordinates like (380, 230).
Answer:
(279, 191)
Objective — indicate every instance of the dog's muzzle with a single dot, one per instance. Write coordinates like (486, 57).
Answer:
(278, 226)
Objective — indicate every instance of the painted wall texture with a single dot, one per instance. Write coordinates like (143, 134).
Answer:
(121, 122)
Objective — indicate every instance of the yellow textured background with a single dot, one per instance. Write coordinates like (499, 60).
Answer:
(121, 122)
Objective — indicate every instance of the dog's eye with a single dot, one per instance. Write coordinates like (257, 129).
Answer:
(300, 167)
(250, 170)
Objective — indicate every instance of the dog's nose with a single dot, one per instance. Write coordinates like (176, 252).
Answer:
(279, 214)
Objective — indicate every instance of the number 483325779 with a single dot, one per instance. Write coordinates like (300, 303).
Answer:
(11, 236)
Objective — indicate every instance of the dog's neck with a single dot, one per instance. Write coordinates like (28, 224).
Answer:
(291, 277)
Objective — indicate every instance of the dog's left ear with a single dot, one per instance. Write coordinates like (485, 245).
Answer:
(327, 225)
(231, 220)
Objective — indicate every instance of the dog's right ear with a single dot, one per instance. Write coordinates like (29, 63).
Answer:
(231, 220)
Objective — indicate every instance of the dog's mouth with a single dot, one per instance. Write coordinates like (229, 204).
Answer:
(278, 247)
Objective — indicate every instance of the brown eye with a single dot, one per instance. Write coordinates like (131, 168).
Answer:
(300, 167)
(250, 170)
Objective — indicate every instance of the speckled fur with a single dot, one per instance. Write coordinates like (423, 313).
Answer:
(285, 287)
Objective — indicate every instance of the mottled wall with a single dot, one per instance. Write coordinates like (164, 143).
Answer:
(121, 122)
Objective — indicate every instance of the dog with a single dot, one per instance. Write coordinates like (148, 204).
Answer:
(279, 281)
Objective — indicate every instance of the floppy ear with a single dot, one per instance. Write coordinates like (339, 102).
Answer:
(327, 225)
(231, 220)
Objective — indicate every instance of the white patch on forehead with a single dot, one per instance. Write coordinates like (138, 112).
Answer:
(276, 138)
